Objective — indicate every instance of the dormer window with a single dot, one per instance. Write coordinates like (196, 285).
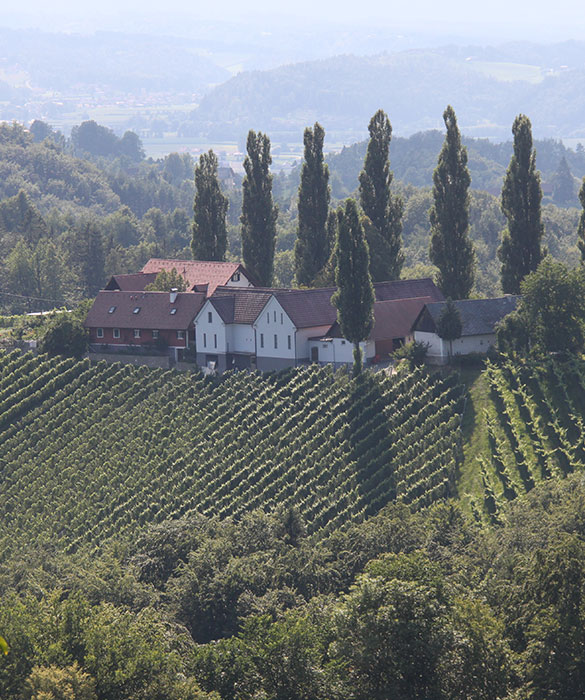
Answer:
(173, 311)
(236, 277)
(111, 309)
(136, 310)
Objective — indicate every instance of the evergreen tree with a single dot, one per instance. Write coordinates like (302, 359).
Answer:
(581, 228)
(258, 211)
(563, 185)
(384, 210)
(520, 251)
(312, 247)
(354, 298)
(209, 241)
(166, 281)
(451, 248)
(449, 324)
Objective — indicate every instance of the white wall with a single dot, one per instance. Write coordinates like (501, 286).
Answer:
(240, 338)
(338, 350)
(242, 282)
(272, 321)
(215, 329)
(433, 341)
(303, 335)
(461, 346)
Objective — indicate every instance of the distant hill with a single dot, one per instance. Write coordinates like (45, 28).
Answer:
(486, 86)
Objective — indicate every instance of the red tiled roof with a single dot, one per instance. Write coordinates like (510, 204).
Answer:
(198, 272)
(135, 282)
(395, 318)
(155, 310)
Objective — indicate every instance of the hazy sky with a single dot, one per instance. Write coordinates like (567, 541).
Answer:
(538, 19)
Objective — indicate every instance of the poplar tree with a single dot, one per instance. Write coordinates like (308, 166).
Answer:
(581, 227)
(209, 230)
(259, 214)
(354, 297)
(451, 249)
(312, 247)
(384, 211)
(520, 251)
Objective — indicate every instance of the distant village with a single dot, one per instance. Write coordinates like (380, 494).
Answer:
(225, 321)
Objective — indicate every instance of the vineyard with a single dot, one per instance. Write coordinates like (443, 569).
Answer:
(91, 452)
(534, 428)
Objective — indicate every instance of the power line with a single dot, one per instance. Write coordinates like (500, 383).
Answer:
(25, 296)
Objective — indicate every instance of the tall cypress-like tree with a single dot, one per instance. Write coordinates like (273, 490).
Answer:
(384, 210)
(581, 228)
(451, 248)
(209, 230)
(520, 251)
(354, 298)
(312, 249)
(258, 211)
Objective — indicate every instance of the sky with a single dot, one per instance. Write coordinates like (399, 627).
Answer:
(538, 20)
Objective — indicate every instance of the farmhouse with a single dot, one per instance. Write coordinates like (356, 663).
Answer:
(478, 321)
(143, 321)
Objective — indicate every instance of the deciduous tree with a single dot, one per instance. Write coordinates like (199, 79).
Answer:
(209, 229)
(520, 251)
(354, 298)
(312, 247)
(451, 248)
(384, 210)
(258, 210)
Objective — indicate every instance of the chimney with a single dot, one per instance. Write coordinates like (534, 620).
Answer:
(173, 297)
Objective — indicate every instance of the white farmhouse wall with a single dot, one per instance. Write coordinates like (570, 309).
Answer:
(274, 321)
(339, 351)
(472, 343)
(435, 344)
(440, 349)
(240, 338)
(303, 335)
(242, 282)
(212, 332)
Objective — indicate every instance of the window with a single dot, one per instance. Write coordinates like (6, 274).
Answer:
(116, 333)
(275, 316)
(289, 342)
(209, 317)
(261, 340)
(180, 335)
(100, 332)
(111, 309)
(136, 310)
(155, 335)
(236, 277)
(267, 317)
(205, 340)
(215, 340)
(275, 341)
(343, 342)
(281, 319)
(137, 332)
(173, 311)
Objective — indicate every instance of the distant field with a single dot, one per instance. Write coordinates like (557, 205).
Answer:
(509, 72)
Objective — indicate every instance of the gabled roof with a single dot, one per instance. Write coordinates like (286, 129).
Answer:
(408, 289)
(198, 272)
(308, 307)
(155, 310)
(135, 282)
(392, 319)
(478, 316)
(240, 304)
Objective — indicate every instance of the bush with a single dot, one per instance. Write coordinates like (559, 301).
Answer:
(415, 352)
(65, 336)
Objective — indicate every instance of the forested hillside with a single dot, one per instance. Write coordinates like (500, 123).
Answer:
(166, 536)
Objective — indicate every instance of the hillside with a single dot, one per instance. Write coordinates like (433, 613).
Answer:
(91, 453)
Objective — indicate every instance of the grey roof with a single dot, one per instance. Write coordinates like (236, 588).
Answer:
(478, 316)
(407, 289)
